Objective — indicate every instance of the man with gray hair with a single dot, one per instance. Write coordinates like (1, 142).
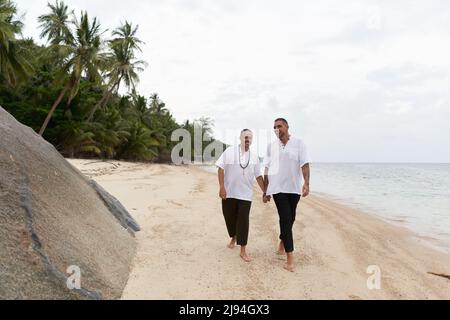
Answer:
(238, 168)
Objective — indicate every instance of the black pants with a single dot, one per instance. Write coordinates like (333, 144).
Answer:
(287, 208)
(237, 218)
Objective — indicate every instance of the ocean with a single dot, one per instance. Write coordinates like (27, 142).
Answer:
(415, 196)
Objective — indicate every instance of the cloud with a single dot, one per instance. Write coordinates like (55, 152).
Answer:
(408, 74)
(358, 80)
(357, 34)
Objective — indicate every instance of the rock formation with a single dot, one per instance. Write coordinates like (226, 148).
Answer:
(53, 221)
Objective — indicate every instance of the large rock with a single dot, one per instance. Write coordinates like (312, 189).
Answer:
(51, 218)
(116, 208)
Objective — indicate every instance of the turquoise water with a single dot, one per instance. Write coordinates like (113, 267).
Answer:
(415, 196)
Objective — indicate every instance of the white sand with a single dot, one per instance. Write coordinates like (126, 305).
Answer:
(182, 251)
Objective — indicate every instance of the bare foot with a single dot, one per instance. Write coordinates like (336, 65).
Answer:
(281, 251)
(232, 244)
(245, 257)
(289, 267)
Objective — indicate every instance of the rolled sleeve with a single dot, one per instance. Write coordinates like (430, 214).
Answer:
(304, 155)
(267, 158)
(221, 162)
(257, 168)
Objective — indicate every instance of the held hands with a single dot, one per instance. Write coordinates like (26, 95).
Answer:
(305, 191)
(266, 198)
(223, 193)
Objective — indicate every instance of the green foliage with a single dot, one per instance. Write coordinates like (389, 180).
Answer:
(13, 63)
(141, 144)
(83, 72)
(55, 25)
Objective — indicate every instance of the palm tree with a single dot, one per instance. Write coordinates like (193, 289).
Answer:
(142, 144)
(157, 106)
(56, 24)
(56, 29)
(140, 110)
(84, 58)
(13, 65)
(77, 137)
(110, 130)
(123, 67)
(125, 36)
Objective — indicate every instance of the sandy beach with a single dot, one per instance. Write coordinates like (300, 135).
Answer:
(182, 251)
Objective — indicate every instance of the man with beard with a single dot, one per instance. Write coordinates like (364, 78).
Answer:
(238, 168)
(286, 167)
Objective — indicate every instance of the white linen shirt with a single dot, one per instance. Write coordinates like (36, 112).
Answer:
(284, 164)
(239, 182)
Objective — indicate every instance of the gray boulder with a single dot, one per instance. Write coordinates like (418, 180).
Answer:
(116, 208)
(51, 219)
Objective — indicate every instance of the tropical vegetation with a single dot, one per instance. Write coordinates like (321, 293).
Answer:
(78, 86)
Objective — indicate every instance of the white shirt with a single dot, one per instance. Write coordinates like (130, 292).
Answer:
(285, 166)
(238, 181)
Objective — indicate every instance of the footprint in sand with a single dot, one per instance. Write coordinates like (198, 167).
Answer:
(175, 203)
(155, 208)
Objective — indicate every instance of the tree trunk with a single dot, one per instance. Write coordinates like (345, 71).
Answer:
(52, 110)
(116, 87)
(107, 97)
(69, 103)
(103, 101)
(91, 115)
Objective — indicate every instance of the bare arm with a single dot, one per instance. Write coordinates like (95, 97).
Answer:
(261, 184)
(222, 192)
(266, 179)
(266, 185)
(306, 176)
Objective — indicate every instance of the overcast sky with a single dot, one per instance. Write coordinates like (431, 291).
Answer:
(359, 81)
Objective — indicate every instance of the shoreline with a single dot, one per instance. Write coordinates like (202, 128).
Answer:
(428, 238)
(182, 250)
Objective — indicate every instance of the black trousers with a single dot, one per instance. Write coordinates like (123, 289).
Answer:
(237, 219)
(287, 210)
